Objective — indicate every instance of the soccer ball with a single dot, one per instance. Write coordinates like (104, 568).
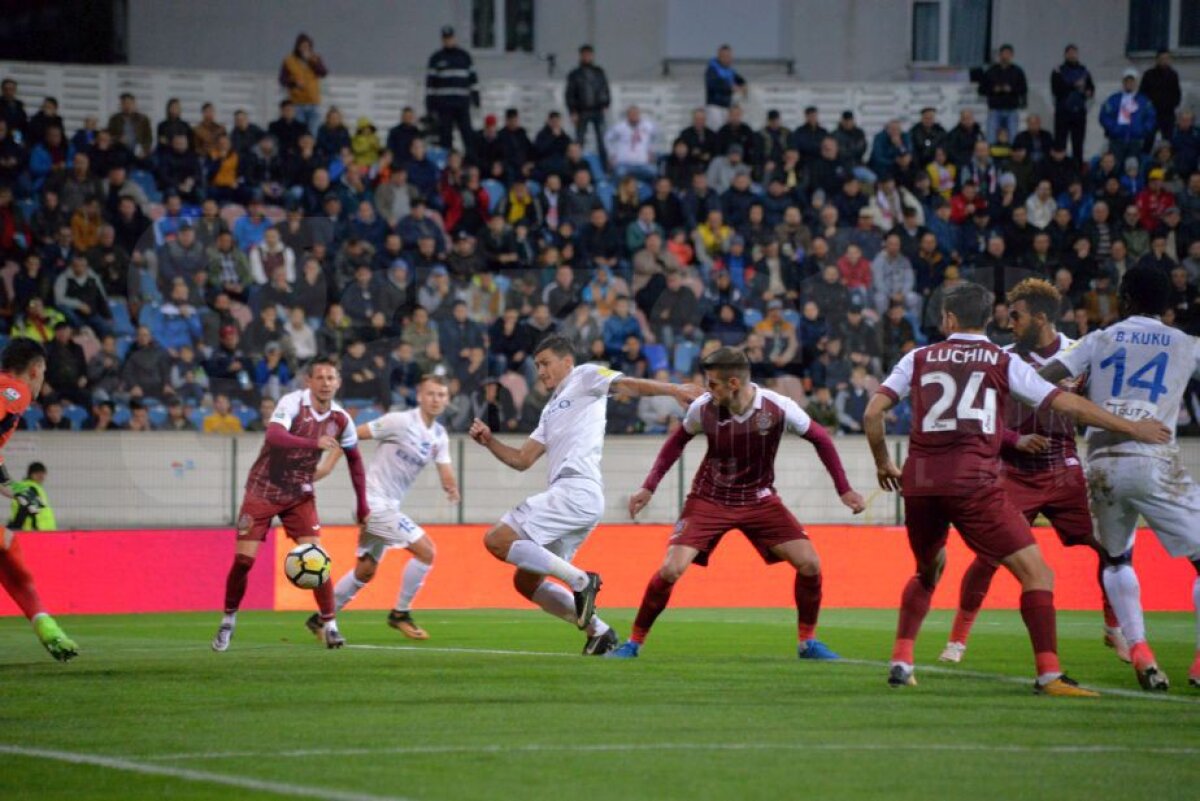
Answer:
(307, 566)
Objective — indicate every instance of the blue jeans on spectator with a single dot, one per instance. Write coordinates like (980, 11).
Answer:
(596, 120)
(1009, 120)
(310, 115)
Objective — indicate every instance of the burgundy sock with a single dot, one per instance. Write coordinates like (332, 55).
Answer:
(975, 584)
(914, 606)
(19, 583)
(235, 583)
(325, 601)
(1037, 610)
(654, 601)
(808, 605)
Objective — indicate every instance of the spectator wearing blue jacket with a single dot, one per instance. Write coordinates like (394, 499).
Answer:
(177, 324)
(620, 325)
(887, 146)
(721, 80)
(1128, 118)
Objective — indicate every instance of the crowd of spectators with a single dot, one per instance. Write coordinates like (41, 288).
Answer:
(182, 273)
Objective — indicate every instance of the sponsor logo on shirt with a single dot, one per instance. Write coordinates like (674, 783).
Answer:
(12, 394)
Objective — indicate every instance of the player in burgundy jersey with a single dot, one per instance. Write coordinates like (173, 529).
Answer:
(1042, 471)
(952, 475)
(22, 372)
(305, 423)
(735, 488)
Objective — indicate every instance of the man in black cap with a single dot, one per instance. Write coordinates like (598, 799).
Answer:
(451, 88)
(588, 99)
(772, 142)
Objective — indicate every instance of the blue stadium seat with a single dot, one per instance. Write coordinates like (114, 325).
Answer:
(148, 316)
(685, 357)
(605, 191)
(122, 325)
(33, 417)
(597, 166)
(751, 317)
(146, 181)
(158, 416)
(912, 319)
(438, 155)
(246, 415)
(645, 191)
(792, 316)
(656, 358)
(77, 415)
(495, 191)
(123, 345)
(367, 415)
(357, 403)
(121, 414)
(534, 187)
(196, 416)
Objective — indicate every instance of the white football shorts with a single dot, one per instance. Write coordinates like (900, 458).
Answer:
(560, 518)
(1124, 487)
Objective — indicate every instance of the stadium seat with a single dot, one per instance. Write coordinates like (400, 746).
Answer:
(148, 316)
(122, 325)
(438, 155)
(495, 191)
(121, 414)
(605, 191)
(751, 317)
(146, 181)
(657, 358)
(158, 416)
(246, 415)
(33, 417)
(358, 403)
(196, 417)
(367, 415)
(686, 354)
(596, 166)
(645, 191)
(792, 316)
(123, 346)
(77, 415)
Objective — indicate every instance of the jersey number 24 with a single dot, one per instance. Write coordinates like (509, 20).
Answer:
(966, 408)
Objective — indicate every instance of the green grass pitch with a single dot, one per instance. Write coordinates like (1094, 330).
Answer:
(499, 705)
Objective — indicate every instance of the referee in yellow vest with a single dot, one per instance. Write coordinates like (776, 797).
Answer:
(31, 506)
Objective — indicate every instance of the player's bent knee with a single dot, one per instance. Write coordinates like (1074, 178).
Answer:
(365, 569)
(498, 541)
(527, 583)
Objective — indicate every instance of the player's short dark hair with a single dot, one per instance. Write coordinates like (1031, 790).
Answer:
(556, 344)
(728, 362)
(1144, 290)
(435, 378)
(971, 303)
(327, 361)
(20, 354)
(1039, 295)
(35, 467)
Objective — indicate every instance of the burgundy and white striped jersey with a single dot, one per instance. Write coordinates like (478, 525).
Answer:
(959, 389)
(739, 466)
(1057, 428)
(280, 475)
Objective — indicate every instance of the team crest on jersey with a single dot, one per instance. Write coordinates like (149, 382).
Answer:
(330, 428)
(764, 421)
(11, 394)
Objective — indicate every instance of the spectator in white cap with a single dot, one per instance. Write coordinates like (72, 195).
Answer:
(1128, 118)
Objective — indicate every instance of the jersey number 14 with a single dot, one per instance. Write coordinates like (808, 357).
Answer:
(1154, 385)
(966, 408)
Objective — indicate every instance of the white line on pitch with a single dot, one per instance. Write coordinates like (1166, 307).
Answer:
(489, 651)
(187, 774)
(1121, 692)
(432, 750)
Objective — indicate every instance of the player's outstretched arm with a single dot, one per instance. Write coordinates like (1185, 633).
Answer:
(645, 387)
(1087, 413)
(518, 459)
(668, 455)
(449, 482)
(328, 463)
(827, 452)
(1055, 372)
(885, 468)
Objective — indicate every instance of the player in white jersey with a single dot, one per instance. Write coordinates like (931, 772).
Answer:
(1140, 369)
(542, 534)
(408, 441)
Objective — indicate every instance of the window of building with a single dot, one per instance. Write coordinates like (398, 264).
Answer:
(954, 33)
(1158, 24)
(502, 25)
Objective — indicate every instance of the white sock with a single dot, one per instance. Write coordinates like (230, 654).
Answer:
(1196, 604)
(330, 625)
(1125, 595)
(555, 600)
(345, 590)
(597, 626)
(414, 577)
(229, 619)
(533, 558)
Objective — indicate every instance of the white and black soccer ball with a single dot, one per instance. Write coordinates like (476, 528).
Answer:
(307, 566)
